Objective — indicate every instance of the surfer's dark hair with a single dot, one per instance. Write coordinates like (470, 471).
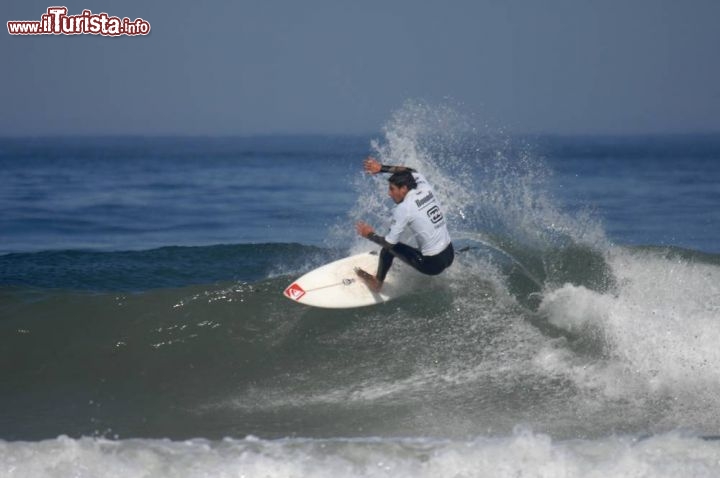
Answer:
(403, 178)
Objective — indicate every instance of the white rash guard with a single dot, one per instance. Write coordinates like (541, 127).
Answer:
(422, 213)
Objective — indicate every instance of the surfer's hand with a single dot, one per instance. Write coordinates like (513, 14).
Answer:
(372, 166)
(364, 229)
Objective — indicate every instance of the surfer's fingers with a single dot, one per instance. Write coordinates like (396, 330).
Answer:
(371, 165)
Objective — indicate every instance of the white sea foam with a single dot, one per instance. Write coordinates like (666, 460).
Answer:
(522, 454)
(659, 329)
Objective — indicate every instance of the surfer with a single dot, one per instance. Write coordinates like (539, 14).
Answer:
(418, 210)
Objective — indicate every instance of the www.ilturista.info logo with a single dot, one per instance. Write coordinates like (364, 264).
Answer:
(57, 22)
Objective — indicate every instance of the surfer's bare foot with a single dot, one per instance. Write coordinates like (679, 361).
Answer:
(370, 280)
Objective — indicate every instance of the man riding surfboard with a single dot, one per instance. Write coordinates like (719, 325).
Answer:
(416, 209)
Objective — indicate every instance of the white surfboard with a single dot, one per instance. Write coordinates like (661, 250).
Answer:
(337, 286)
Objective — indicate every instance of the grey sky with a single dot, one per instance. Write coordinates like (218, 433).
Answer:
(293, 66)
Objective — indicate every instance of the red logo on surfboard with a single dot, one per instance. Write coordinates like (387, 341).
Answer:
(294, 292)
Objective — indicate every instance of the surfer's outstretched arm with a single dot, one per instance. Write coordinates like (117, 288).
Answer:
(373, 166)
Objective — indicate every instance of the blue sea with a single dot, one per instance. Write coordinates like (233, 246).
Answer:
(143, 330)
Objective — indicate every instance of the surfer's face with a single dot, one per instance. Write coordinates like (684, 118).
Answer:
(397, 193)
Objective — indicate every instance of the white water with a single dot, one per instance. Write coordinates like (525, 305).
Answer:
(659, 329)
(524, 454)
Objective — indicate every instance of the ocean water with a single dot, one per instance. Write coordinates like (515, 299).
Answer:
(143, 330)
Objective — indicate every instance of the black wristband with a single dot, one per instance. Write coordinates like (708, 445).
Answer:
(375, 238)
(379, 240)
(385, 169)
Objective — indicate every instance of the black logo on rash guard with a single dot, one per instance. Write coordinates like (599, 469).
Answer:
(435, 215)
(423, 201)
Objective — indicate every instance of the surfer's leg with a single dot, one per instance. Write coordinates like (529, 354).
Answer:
(374, 282)
(384, 262)
(430, 265)
(409, 255)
